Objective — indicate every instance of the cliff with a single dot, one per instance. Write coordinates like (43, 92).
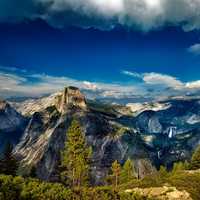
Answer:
(45, 135)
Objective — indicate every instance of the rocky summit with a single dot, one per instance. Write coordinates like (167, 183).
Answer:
(45, 135)
(12, 124)
(158, 134)
(71, 96)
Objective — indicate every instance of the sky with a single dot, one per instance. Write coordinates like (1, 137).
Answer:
(131, 49)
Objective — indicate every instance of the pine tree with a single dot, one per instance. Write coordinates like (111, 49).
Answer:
(75, 158)
(116, 172)
(128, 171)
(8, 163)
(195, 162)
(163, 173)
(186, 165)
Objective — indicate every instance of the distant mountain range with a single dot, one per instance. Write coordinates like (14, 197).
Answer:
(152, 134)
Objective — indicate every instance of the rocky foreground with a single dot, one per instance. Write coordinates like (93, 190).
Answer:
(161, 193)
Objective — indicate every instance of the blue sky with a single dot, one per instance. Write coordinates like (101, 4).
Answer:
(101, 47)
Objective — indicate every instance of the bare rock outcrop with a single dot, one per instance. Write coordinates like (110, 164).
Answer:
(63, 100)
(10, 119)
(161, 193)
(71, 96)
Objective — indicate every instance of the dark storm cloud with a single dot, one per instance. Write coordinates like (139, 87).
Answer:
(143, 14)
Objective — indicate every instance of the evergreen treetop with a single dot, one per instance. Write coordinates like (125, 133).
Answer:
(75, 158)
(128, 171)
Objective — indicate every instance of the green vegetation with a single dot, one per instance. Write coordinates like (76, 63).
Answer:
(18, 188)
(179, 166)
(195, 162)
(128, 171)
(116, 172)
(75, 176)
(75, 158)
(182, 180)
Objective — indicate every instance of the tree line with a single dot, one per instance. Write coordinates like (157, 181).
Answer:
(74, 173)
(75, 166)
(76, 162)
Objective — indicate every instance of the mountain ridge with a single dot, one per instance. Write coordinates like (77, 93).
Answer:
(150, 137)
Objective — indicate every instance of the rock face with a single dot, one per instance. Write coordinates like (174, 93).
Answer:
(173, 133)
(149, 122)
(9, 118)
(71, 97)
(45, 135)
(154, 137)
(12, 124)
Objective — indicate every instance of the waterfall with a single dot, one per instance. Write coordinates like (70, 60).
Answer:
(172, 131)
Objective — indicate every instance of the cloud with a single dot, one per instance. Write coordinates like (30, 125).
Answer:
(142, 14)
(15, 82)
(193, 85)
(164, 85)
(132, 74)
(195, 49)
(153, 78)
(162, 79)
(90, 86)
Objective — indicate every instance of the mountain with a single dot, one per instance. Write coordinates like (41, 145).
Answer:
(152, 134)
(12, 124)
(45, 135)
(172, 132)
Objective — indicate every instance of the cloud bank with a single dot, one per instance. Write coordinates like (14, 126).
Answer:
(142, 14)
(152, 78)
(163, 83)
(20, 83)
(15, 82)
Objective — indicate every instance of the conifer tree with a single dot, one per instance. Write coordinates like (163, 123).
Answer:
(75, 158)
(128, 171)
(33, 172)
(195, 162)
(186, 165)
(116, 172)
(162, 172)
(8, 162)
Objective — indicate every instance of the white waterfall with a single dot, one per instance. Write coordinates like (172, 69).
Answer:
(172, 132)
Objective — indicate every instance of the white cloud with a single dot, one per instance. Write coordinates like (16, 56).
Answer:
(195, 49)
(153, 78)
(158, 83)
(193, 85)
(21, 83)
(144, 14)
(132, 74)
(90, 86)
(162, 79)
